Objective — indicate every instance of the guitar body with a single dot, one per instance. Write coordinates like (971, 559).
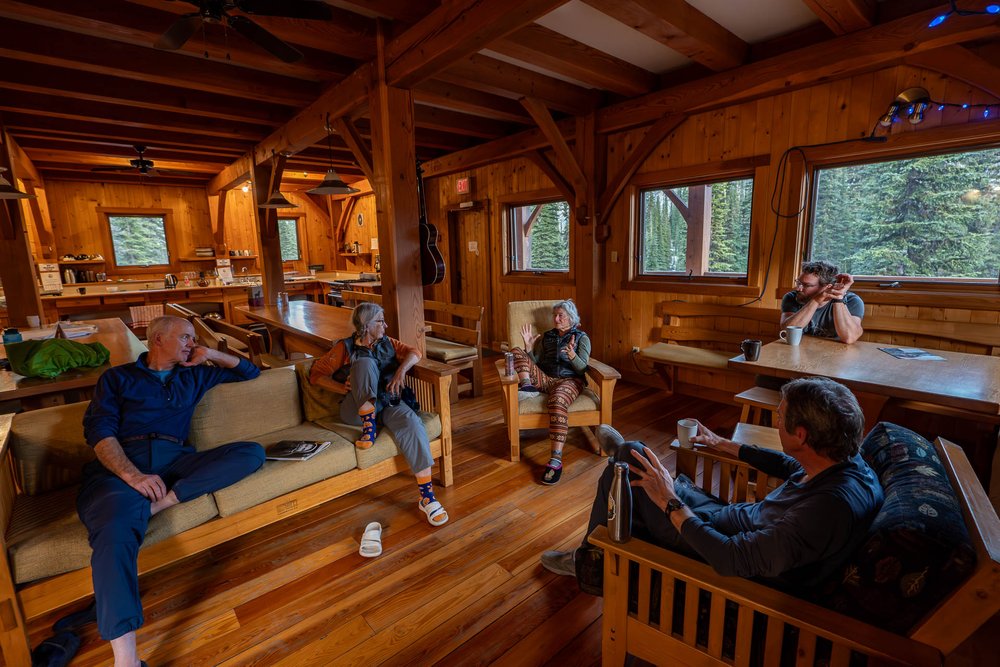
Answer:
(432, 268)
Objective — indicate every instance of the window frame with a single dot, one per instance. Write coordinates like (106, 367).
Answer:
(911, 291)
(754, 168)
(299, 235)
(107, 241)
(513, 275)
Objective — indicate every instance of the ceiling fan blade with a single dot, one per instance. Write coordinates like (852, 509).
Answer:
(293, 9)
(263, 39)
(178, 33)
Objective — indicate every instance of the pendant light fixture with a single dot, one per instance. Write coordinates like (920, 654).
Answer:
(332, 183)
(8, 191)
(277, 200)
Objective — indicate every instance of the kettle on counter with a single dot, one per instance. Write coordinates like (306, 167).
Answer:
(170, 281)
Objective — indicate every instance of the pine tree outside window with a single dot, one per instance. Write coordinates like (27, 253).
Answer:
(288, 237)
(539, 236)
(696, 229)
(137, 240)
(933, 217)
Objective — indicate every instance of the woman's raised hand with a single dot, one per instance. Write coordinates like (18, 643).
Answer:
(528, 336)
(570, 349)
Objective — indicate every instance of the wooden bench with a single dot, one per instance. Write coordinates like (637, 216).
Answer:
(351, 297)
(704, 336)
(750, 604)
(455, 338)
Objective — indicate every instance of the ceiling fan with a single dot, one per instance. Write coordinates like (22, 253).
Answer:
(215, 11)
(144, 166)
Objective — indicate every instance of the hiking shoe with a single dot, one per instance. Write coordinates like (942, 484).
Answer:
(560, 562)
(609, 439)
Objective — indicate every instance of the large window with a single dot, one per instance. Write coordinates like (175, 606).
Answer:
(288, 235)
(696, 229)
(539, 236)
(927, 217)
(138, 240)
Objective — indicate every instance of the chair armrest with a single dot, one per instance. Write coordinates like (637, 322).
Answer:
(601, 371)
(429, 370)
(8, 484)
(505, 379)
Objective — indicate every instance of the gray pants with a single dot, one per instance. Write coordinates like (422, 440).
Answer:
(407, 429)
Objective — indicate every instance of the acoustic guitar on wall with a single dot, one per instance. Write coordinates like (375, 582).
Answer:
(431, 261)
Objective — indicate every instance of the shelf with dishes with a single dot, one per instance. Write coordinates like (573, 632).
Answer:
(354, 254)
(212, 259)
(78, 262)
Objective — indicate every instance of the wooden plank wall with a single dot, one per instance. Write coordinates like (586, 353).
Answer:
(829, 112)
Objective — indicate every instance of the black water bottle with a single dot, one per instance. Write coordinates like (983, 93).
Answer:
(620, 505)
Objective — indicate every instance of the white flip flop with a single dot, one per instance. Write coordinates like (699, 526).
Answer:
(371, 540)
(434, 512)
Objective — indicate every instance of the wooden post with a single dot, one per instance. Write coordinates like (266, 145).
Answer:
(267, 179)
(394, 167)
(217, 211)
(17, 266)
(699, 236)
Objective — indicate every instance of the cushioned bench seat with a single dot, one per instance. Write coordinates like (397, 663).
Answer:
(532, 403)
(683, 355)
(447, 352)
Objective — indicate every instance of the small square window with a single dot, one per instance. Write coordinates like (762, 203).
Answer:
(539, 236)
(139, 240)
(288, 235)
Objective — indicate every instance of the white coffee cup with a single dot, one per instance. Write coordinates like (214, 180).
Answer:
(686, 429)
(791, 335)
(34, 321)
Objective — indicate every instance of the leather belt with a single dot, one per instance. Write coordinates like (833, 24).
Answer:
(151, 436)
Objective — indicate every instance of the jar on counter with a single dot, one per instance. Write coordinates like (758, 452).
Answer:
(11, 335)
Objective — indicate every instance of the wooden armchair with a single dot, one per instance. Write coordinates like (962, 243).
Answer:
(591, 408)
(724, 620)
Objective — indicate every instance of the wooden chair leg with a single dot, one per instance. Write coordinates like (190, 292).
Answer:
(477, 377)
(745, 414)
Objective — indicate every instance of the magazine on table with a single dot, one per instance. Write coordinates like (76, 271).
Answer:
(911, 353)
(296, 450)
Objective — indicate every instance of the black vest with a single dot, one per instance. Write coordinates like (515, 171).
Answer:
(552, 361)
(384, 355)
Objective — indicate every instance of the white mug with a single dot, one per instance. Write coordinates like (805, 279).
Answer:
(791, 335)
(686, 428)
(34, 321)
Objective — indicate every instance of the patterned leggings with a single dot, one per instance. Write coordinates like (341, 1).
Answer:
(562, 392)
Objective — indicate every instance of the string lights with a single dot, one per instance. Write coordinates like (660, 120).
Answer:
(941, 18)
(914, 102)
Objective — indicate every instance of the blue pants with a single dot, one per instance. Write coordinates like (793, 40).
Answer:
(116, 515)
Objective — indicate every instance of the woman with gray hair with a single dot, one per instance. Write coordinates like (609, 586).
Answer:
(370, 369)
(554, 363)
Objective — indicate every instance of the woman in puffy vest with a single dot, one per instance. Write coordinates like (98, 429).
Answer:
(370, 369)
(554, 363)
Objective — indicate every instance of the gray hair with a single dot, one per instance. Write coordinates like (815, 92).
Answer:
(364, 314)
(829, 413)
(161, 325)
(824, 271)
(571, 312)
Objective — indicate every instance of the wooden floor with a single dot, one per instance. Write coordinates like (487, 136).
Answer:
(469, 593)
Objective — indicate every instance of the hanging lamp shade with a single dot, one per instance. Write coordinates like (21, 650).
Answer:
(332, 185)
(8, 191)
(277, 200)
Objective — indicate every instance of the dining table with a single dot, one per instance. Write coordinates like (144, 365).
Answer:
(76, 384)
(969, 383)
(302, 326)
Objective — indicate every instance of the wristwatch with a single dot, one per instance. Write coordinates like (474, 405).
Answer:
(673, 505)
(836, 301)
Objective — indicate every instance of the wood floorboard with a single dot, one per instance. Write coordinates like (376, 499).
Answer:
(469, 593)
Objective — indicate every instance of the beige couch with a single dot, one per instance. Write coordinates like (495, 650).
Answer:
(45, 559)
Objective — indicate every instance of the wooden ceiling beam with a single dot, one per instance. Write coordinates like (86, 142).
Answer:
(565, 159)
(557, 53)
(555, 175)
(100, 159)
(41, 44)
(511, 146)
(678, 25)
(63, 82)
(844, 16)
(22, 125)
(61, 174)
(408, 11)
(361, 150)
(958, 62)
(459, 123)
(466, 100)
(837, 58)
(498, 77)
(142, 26)
(453, 31)
(119, 148)
(50, 105)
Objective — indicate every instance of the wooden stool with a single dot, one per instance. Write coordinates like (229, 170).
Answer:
(753, 434)
(756, 402)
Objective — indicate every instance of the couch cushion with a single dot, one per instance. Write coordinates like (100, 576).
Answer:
(918, 547)
(46, 536)
(447, 351)
(48, 447)
(384, 447)
(243, 410)
(276, 478)
(538, 313)
(685, 355)
(533, 404)
(317, 403)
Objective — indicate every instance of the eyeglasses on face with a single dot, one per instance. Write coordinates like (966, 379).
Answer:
(799, 283)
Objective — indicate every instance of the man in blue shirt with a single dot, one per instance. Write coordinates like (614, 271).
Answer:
(794, 538)
(822, 305)
(138, 423)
